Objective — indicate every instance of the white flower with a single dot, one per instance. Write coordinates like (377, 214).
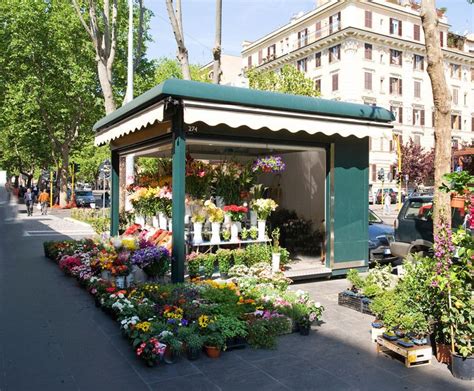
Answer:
(317, 304)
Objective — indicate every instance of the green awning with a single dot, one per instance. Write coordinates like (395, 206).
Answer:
(205, 92)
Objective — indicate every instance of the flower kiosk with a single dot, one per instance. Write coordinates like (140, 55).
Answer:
(232, 159)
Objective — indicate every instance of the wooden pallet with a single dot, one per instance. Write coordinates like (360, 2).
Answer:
(415, 356)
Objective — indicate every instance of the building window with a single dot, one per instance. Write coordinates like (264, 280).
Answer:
(418, 62)
(398, 112)
(260, 57)
(374, 172)
(455, 122)
(317, 59)
(418, 117)
(395, 57)
(368, 81)
(441, 38)
(455, 144)
(396, 27)
(271, 51)
(317, 85)
(395, 86)
(334, 22)
(455, 71)
(302, 65)
(335, 82)
(249, 61)
(455, 95)
(417, 89)
(417, 140)
(317, 32)
(368, 19)
(472, 124)
(335, 53)
(368, 51)
(416, 32)
(303, 38)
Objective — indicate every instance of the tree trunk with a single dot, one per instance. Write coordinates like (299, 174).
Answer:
(175, 16)
(442, 104)
(217, 51)
(105, 78)
(63, 176)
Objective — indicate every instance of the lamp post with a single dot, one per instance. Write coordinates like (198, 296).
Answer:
(104, 173)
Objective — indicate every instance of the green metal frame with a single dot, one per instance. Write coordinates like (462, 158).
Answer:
(114, 199)
(178, 184)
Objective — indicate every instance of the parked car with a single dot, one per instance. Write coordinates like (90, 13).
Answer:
(380, 237)
(85, 198)
(393, 195)
(414, 226)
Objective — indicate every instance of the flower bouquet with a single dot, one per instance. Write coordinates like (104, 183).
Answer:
(264, 207)
(236, 212)
(269, 164)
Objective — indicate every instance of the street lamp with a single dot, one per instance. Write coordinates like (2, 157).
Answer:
(104, 174)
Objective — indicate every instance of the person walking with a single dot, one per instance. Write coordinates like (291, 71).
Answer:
(43, 199)
(29, 199)
(387, 203)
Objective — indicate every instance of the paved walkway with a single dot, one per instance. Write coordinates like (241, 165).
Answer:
(53, 338)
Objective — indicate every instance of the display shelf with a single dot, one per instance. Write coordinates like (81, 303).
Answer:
(226, 242)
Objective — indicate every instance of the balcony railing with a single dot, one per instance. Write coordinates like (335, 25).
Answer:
(317, 35)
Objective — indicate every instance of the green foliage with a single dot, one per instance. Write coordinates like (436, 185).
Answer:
(256, 253)
(288, 80)
(261, 334)
(98, 219)
(208, 261)
(239, 256)
(458, 182)
(166, 68)
(224, 257)
(355, 279)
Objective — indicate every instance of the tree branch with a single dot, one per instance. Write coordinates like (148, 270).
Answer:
(140, 35)
(81, 18)
(113, 37)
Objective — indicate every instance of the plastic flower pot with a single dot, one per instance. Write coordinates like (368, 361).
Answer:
(276, 262)
(234, 232)
(216, 236)
(193, 354)
(212, 351)
(304, 330)
(462, 367)
(261, 225)
(197, 238)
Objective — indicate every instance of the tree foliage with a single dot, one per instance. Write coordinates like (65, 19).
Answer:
(288, 80)
(417, 163)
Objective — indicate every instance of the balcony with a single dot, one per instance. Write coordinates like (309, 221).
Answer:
(317, 35)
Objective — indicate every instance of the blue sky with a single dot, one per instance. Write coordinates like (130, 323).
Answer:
(249, 20)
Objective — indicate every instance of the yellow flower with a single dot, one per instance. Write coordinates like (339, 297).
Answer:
(143, 326)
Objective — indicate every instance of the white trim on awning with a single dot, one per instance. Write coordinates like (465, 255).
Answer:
(214, 114)
(131, 124)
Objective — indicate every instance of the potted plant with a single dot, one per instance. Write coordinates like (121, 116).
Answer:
(253, 232)
(155, 261)
(208, 261)
(216, 217)
(174, 347)
(226, 235)
(459, 184)
(194, 343)
(151, 351)
(198, 220)
(224, 257)
(276, 250)
(239, 256)
(244, 234)
(263, 207)
(194, 263)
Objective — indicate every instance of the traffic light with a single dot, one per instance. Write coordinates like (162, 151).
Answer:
(75, 167)
(381, 174)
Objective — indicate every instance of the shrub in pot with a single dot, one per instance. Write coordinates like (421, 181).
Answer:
(224, 257)
(209, 261)
(194, 343)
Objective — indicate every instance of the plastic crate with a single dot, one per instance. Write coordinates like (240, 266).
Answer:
(358, 303)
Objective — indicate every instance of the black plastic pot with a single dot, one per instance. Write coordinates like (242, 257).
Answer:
(193, 354)
(462, 367)
(304, 330)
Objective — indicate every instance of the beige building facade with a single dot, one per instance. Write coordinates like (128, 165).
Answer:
(373, 52)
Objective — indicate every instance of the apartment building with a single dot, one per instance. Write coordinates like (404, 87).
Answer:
(373, 52)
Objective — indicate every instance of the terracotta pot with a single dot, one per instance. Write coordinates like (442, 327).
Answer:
(457, 202)
(212, 351)
(443, 353)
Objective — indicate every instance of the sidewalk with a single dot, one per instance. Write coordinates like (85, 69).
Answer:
(52, 337)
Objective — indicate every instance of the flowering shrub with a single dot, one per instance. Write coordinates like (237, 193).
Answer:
(151, 350)
(269, 164)
(155, 261)
(69, 262)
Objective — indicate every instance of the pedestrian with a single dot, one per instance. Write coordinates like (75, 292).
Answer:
(29, 199)
(44, 200)
(387, 203)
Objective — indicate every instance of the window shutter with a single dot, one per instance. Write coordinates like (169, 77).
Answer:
(416, 32)
(330, 25)
(400, 115)
(339, 20)
(391, 25)
(400, 86)
(441, 38)
(472, 124)
(422, 63)
(422, 117)
(414, 117)
(368, 19)
(260, 56)
(249, 61)
(374, 172)
(433, 118)
(400, 28)
(335, 82)
(318, 29)
(390, 85)
(330, 55)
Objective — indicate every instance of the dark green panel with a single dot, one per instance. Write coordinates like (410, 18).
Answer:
(351, 188)
(114, 198)
(178, 184)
